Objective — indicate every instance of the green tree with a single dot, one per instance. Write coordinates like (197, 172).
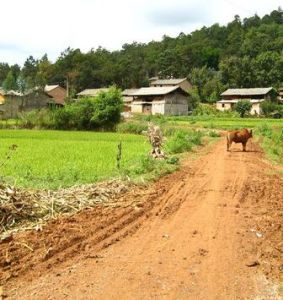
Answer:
(29, 72)
(108, 107)
(21, 84)
(44, 71)
(194, 99)
(267, 107)
(4, 70)
(243, 107)
(10, 82)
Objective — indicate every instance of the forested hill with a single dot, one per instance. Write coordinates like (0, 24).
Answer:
(245, 53)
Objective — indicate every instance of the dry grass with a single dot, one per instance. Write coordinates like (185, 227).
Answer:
(23, 208)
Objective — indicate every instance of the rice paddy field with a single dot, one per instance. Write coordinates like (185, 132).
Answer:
(224, 123)
(47, 159)
(54, 159)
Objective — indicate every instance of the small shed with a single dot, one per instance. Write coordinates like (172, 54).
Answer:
(171, 100)
(255, 95)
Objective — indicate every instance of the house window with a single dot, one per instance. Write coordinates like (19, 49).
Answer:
(223, 105)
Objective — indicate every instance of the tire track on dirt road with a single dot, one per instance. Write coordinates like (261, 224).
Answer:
(184, 242)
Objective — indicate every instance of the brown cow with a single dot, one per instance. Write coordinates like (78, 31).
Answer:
(238, 136)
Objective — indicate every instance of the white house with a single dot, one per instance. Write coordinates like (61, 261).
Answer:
(255, 95)
(170, 100)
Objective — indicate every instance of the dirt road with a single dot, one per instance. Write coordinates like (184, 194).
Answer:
(207, 231)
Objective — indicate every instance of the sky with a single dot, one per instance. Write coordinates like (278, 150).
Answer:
(36, 27)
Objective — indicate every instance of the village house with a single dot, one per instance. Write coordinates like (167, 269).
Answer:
(12, 102)
(181, 82)
(128, 98)
(91, 92)
(57, 93)
(255, 95)
(169, 100)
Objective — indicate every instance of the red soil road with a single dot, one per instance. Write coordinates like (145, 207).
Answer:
(189, 237)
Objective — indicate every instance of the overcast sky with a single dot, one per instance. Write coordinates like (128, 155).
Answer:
(35, 27)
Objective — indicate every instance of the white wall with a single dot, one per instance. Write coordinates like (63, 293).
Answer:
(254, 110)
(158, 107)
(226, 106)
(136, 108)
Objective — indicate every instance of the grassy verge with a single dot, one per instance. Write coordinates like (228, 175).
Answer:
(271, 140)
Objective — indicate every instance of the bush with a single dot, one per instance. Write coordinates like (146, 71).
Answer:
(265, 130)
(43, 118)
(272, 142)
(243, 107)
(101, 112)
(145, 168)
(205, 110)
(130, 127)
(213, 133)
(268, 108)
(173, 160)
(108, 107)
(183, 141)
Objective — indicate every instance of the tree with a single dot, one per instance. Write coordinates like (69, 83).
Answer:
(244, 53)
(44, 71)
(10, 82)
(108, 107)
(29, 72)
(194, 99)
(267, 107)
(4, 70)
(21, 84)
(208, 84)
(243, 107)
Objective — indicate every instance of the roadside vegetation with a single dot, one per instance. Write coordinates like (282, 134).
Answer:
(271, 140)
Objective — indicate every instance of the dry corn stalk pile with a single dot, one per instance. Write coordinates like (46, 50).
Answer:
(155, 138)
(19, 206)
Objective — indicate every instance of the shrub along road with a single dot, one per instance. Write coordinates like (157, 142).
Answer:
(208, 231)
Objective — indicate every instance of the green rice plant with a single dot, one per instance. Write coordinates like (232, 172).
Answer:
(53, 159)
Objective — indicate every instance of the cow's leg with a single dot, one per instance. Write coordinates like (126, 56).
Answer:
(244, 146)
(228, 145)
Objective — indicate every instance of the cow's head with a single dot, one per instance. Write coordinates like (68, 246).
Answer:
(251, 133)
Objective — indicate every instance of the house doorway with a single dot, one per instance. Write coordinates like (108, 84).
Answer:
(146, 109)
